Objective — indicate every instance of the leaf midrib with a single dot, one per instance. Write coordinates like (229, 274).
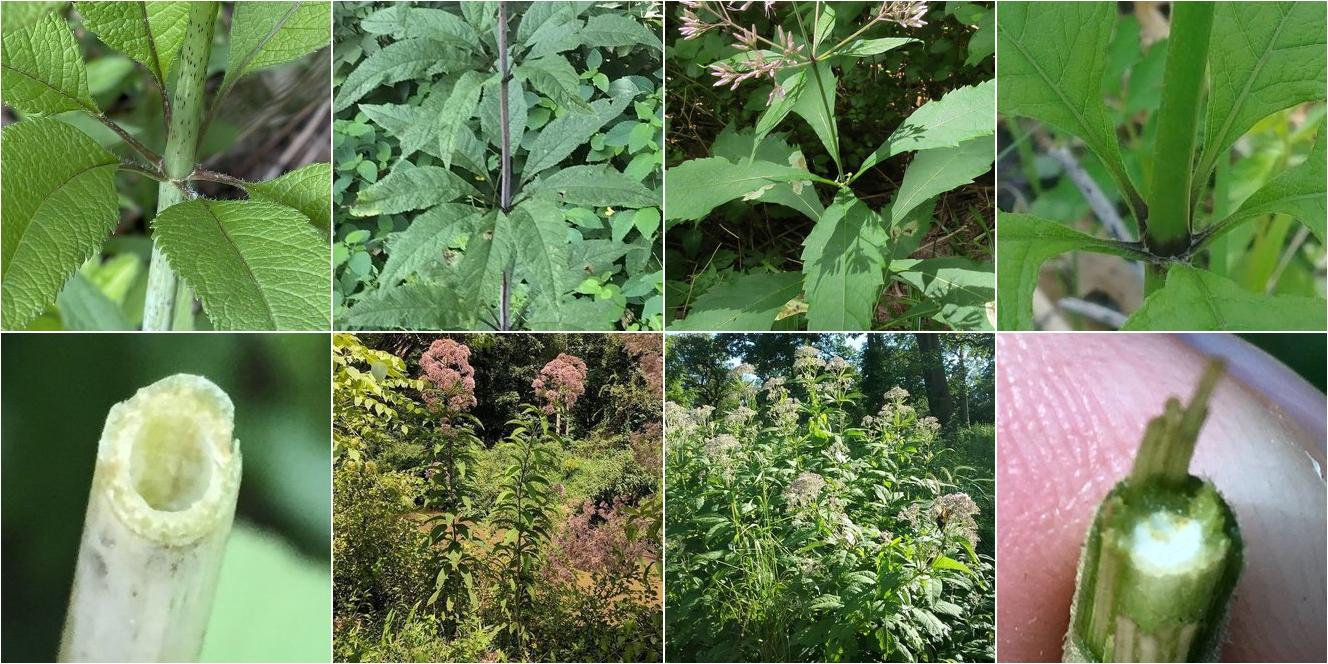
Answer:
(228, 241)
(36, 212)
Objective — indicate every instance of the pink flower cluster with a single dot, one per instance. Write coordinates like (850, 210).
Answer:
(446, 366)
(560, 382)
(595, 540)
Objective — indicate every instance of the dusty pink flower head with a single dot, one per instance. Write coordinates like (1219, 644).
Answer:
(560, 382)
(446, 366)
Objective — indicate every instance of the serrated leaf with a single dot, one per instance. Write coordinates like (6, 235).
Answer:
(266, 34)
(960, 289)
(558, 139)
(58, 205)
(826, 602)
(1299, 192)
(554, 77)
(1053, 56)
(748, 302)
(516, 112)
(413, 126)
(305, 189)
(148, 32)
(20, 15)
(597, 186)
(816, 105)
(255, 265)
(409, 187)
(84, 307)
(1194, 299)
(939, 170)
(1023, 244)
(489, 254)
(457, 109)
(396, 62)
(402, 21)
(843, 267)
(43, 68)
(1271, 57)
(860, 48)
(424, 306)
(961, 115)
(608, 30)
(698, 186)
(425, 241)
(791, 84)
(573, 314)
(541, 254)
(796, 195)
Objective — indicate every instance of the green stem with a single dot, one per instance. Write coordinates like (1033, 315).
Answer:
(1170, 215)
(169, 302)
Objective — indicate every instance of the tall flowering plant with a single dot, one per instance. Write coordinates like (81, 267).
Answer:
(559, 384)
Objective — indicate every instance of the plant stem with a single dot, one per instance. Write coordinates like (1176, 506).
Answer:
(169, 302)
(1170, 216)
(159, 514)
(505, 166)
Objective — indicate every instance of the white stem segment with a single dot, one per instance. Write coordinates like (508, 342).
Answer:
(162, 502)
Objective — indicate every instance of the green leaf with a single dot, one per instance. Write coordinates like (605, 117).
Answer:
(946, 562)
(427, 240)
(558, 139)
(573, 313)
(409, 187)
(148, 32)
(1299, 192)
(597, 186)
(816, 105)
(266, 34)
(516, 112)
(1023, 244)
(959, 116)
(1271, 57)
(748, 302)
(698, 186)
(58, 203)
(1053, 55)
(957, 290)
(20, 15)
(423, 306)
(610, 30)
(939, 170)
(413, 126)
(797, 195)
(826, 602)
(396, 62)
(554, 77)
(43, 69)
(489, 254)
(541, 254)
(459, 107)
(84, 307)
(983, 42)
(1194, 299)
(861, 48)
(255, 265)
(305, 189)
(843, 266)
(402, 21)
(646, 220)
(791, 84)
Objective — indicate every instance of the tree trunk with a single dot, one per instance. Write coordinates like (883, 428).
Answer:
(963, 384)
(939, 400)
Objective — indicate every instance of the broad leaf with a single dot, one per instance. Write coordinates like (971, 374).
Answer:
(396, 62)
(410, 187)
(961, 115)
(1195, 299)
(748, 302)
(542, 259)
(304, 189)
(422, 306)
(1272, 58)
(816, 105)
(21, 15)
(843, 266)
(84, 307)
(565, 134)
(1023, 244)
(459, 107)
(791, 83)
(700, 185)
(43, 69)
(610, 30)
(414, 126)
(402, 21)
(957, 290)
(149, 32)
(572, 313)
(939, 170)
(1053, 56)
(266, 34)
(860, 48)
(593, 185)
(554, 77)
(427, 240)
(983, 42)
(489, 255)
(797, 195)
(58, 205)
(1299, 192)
(490, 125)
(255, 265)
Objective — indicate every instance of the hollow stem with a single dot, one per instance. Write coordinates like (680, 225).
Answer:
(169, 302)
(1163, 555)
(1170, 213)
(159, 514)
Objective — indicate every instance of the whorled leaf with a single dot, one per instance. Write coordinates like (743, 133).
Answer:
(961, 115)
(396, 62)
(697, 186)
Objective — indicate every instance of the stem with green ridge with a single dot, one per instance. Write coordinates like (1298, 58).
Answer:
(1170, 211)
(169, 302)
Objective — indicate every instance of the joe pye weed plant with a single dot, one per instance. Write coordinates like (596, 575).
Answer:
(1195, 204)
(254, 263)
(856, 247)
(796, 532)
